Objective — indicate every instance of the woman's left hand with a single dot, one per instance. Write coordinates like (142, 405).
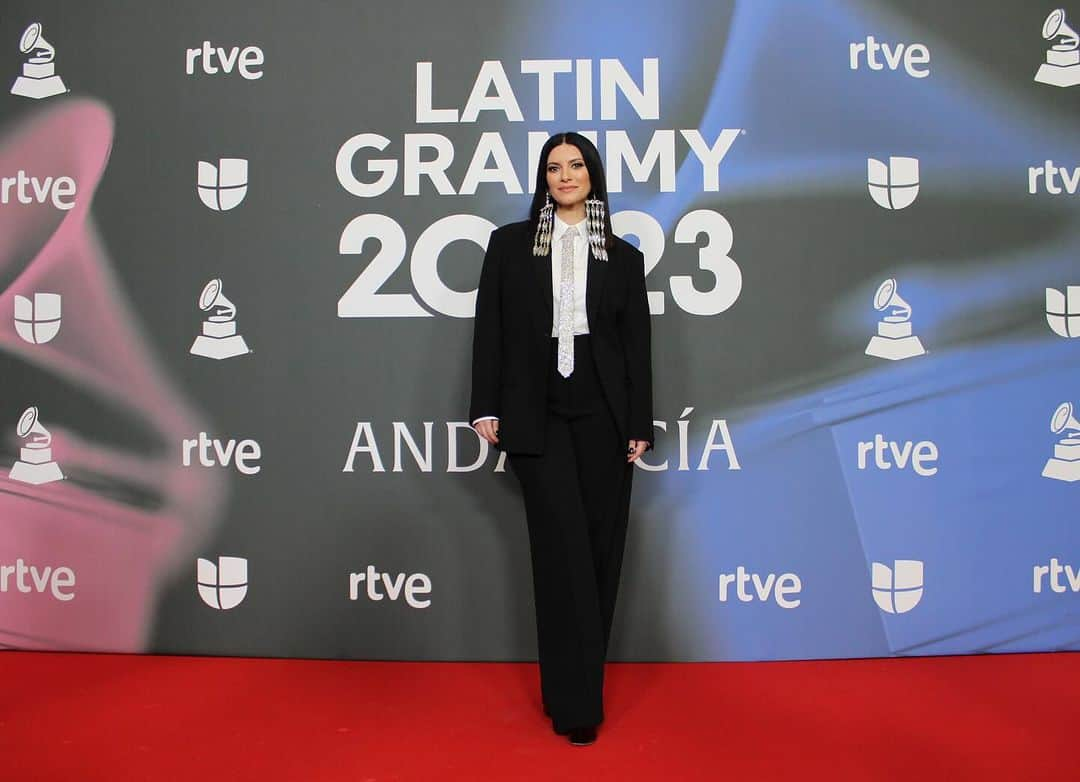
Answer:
(637, 447)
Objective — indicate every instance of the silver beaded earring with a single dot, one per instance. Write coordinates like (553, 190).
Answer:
(544, 224)
(594, 222)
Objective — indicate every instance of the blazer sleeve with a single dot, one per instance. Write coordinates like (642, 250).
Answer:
(637, 342)
(487, 335)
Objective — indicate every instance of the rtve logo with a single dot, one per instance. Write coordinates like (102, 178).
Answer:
(898, 589)
(211, 452)
(59, 581)
(59, 191)
(37, 321)
(416, 584)
(214, 59)
(921, 455)
(1063, 311)
(893, 186)
(910, 55)
(222, 585)
(1050, 174)
(1053, 573)
(781, 587)
(222, 187)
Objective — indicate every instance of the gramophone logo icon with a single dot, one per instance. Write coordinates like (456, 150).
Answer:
(35, 463)
(39, 79)
(1064, 465)
(1062, 66)
(219, 338)
(894, 339)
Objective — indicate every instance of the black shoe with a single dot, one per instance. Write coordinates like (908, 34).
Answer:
(582, 737)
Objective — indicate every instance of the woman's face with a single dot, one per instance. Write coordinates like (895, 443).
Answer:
(567, 177)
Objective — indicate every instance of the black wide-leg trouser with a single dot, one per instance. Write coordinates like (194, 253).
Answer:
(577, 497)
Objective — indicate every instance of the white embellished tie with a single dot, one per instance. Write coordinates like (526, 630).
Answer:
(566, 304)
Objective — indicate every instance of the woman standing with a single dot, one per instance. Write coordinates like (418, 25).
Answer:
(562, 381)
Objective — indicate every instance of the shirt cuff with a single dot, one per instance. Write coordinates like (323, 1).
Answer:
(485, 418)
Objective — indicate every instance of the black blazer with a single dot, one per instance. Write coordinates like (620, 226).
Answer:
(512, 341)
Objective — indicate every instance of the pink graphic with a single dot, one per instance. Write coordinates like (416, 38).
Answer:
(118, 551)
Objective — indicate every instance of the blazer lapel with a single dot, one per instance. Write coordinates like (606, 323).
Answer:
(542, 303)
(594, 287)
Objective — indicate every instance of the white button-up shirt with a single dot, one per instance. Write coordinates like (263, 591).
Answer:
(581, 267)
(581, 278)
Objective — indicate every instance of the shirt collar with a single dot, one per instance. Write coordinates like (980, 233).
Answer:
(560, 227)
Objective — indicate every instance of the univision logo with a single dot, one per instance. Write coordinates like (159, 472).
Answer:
(37, 321)
(893, 186)
(222, 187)
(1063, 311)
(223, 585)
(898, 589)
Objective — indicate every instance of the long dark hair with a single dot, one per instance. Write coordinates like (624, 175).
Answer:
(591, 156)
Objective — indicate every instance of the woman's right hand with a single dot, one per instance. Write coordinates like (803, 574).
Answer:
(489, 430)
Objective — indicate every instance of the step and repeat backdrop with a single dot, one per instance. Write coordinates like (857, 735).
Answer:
(239, 249)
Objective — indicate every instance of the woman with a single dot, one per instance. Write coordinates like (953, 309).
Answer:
(562, 381)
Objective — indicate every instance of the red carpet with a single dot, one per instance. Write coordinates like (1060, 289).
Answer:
(115, 717)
